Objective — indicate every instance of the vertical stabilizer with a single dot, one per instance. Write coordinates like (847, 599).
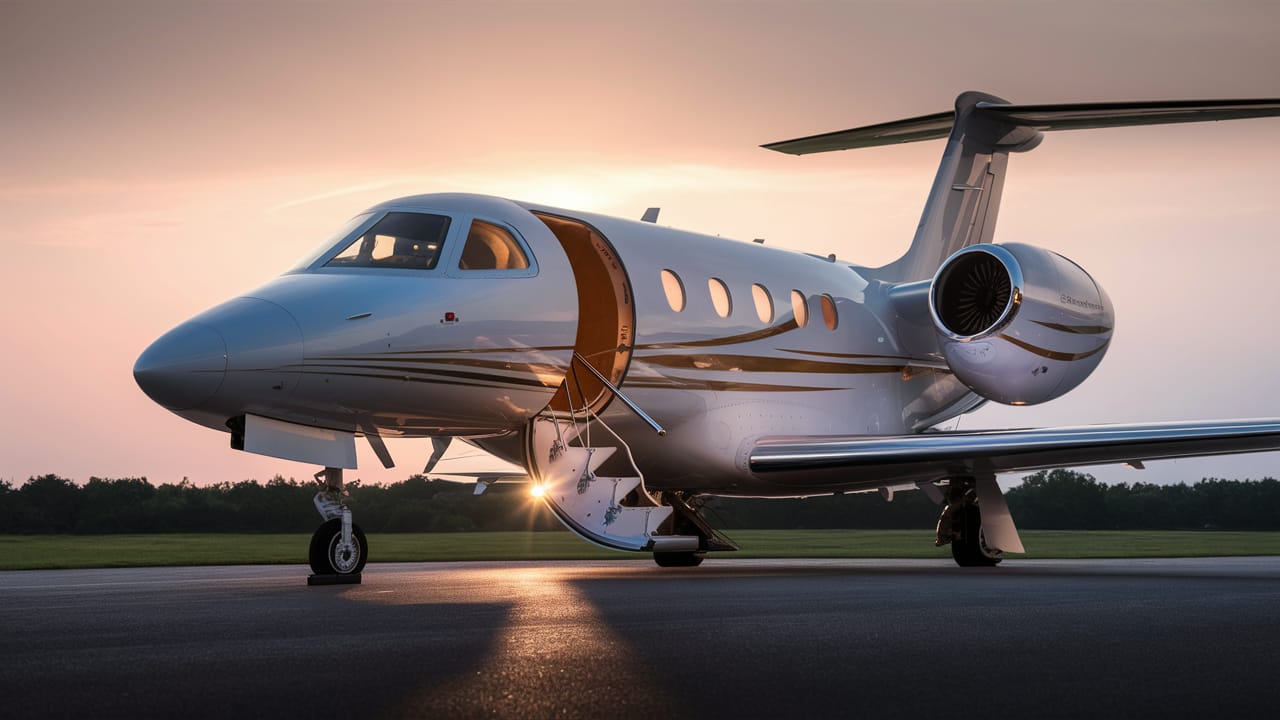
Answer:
(981, 132)
(965, 198)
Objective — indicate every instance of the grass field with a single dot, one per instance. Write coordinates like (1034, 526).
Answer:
(25, 552)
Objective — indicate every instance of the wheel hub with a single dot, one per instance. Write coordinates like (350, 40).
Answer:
(344, 556)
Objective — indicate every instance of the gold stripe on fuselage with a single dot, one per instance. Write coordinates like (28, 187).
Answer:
(1077, 329)
(729, 340)
(756, 363)
(510, 375)
(1054, 354)
(671, 382)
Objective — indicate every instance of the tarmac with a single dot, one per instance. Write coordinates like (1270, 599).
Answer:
(620, 639)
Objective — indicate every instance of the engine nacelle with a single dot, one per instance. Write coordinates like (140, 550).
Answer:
(1017, 324)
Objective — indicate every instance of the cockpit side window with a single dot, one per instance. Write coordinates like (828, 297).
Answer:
(490, 247)
(398, 240)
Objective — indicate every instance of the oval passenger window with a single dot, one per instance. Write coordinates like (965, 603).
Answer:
(800, 308)
(720, 297)
(764, 303)
(829, 312)
(674, 289)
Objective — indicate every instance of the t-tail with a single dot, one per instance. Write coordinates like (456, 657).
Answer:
(981, 132)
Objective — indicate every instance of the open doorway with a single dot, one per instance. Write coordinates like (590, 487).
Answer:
(606, 316)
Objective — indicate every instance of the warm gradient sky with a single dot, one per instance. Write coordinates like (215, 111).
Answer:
(157, 158)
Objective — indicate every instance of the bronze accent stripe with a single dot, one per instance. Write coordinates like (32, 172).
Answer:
(476, 351)
(730, 340)
(817, 353)
(400, 378)
(487, 364)
(675, 383)
(1077, 329)
(750, 363)
(395, 372)
(913, 365)
(1053, 354)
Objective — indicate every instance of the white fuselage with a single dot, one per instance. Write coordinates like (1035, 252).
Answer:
(719, 383)
(797, 345)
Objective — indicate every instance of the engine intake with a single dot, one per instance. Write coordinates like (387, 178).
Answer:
(975, 292)
(1018, 324)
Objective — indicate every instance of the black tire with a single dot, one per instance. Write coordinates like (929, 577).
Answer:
(678, 559)
(969, 548)
(324, 556)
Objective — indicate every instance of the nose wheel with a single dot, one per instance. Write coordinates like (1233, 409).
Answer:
(332, 555)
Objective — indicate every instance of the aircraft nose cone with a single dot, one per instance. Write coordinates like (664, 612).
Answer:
(184, 368)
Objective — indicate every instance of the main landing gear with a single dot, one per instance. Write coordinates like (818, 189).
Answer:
(960, 525)
(338, 548)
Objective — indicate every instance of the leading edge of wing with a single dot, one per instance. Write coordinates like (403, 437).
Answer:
(1019, 450)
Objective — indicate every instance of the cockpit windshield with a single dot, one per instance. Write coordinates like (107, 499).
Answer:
(398, 240)
(347, 228)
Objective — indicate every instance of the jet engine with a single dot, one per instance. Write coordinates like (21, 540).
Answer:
(1017, 324)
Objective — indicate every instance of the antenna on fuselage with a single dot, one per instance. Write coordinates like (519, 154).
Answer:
(650, 215)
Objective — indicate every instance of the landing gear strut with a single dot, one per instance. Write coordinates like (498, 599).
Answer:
(960, 525)
(338, 548)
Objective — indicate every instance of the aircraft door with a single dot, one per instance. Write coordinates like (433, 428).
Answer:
(606, 316)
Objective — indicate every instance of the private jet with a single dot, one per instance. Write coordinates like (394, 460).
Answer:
(633, 370)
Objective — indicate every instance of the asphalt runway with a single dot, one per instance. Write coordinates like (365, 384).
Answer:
(734, 638)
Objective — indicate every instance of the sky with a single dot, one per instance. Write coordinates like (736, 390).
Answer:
(157, 158)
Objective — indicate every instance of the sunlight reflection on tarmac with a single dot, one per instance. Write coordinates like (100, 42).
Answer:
(554, 639)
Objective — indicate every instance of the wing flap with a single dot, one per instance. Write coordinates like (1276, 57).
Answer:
(946, 454)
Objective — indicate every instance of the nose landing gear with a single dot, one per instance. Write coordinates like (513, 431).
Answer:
(338, 548)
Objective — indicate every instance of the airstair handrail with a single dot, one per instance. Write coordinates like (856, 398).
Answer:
(625, 400)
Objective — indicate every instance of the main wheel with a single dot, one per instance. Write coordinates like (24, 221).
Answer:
(678, 559)
(329, 557)
(969, 548)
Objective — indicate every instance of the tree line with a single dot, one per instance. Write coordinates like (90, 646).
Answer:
(1058, 499)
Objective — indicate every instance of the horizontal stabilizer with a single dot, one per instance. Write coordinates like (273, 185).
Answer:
(928, 127)
(1085, 116)
(1073, 116)
(951, 454)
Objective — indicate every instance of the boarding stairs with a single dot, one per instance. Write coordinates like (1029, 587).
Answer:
(614, 511)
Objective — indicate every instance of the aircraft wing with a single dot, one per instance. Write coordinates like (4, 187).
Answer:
(952, 454)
